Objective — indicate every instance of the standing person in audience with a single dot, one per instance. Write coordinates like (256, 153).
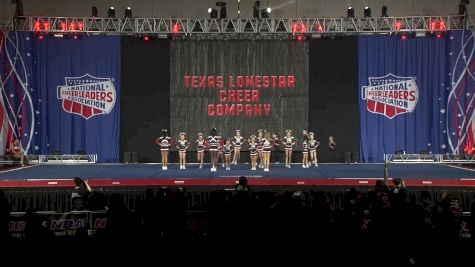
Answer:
(227, 149)
(214, 141)
(200, 149)
(253, 151)
(164, 141)
(289, 141)
(238, 140)
(312, 148)
(182, 145)
(80, 194)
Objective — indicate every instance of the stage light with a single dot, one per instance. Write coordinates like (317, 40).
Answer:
(63, 26)
(37, 26)
(439, 35)
(320, 28)
(404, 37)
(433, 25)
(213, 14)
(94, 12)
(442, 25)
(146, 38)
(222, 11)
(367, 12)
(384, 11)
(350, 13)
(269, 10)
(255, 9)
(398, 25)
(265, 13)
(76, 37)
(111, 12)
(80, 26)
(210, 10)
(46, 26)
(128, 12)
(176, 28)
(40, 36)
(300, 37)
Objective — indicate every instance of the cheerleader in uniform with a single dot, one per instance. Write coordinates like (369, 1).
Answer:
(214, 142)
(260, 136)
(312, 147)
(238, 140)
(289, 142)
(164, 142)
(253, 151)
(267, 145)
(182, 145)
(200, 149)
(227, 149)
(305, 138)
(305, 163)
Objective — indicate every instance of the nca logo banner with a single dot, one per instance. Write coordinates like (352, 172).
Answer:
(390, 95)
(87, 95)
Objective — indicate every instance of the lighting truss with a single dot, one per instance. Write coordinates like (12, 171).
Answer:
(202, 26)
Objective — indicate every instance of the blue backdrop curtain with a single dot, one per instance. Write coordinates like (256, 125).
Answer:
(442, 71)
(41, 70)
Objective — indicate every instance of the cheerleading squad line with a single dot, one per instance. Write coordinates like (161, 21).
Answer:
(260, 147)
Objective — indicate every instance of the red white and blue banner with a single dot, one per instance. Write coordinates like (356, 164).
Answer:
(60, 94)
(417, 95)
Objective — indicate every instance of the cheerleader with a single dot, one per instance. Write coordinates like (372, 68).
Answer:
(288, 141)
(182, 145)
(260, 136)
(312, 147)
(304, 151)
(253, 151)
(164, 142)
(305, 163)
(227, 149)
(200, 149)
(238, 140)
(214, 142)
(266, 150)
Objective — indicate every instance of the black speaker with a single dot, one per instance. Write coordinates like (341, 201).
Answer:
(127, 158)
(347, 157)
(355, 157)
(134, 157)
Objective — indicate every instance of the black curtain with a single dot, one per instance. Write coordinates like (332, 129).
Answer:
(145, 100)
(333, 96)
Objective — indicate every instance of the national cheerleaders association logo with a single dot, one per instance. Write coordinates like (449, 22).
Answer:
(87, 95)
(390, 95)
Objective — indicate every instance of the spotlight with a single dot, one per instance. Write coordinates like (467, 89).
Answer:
(111, 12)
(209, 10)
(128, 12)
(439, 35)
(255, 9)
(41, 36)
(94, 12)
(265, 13)
(384, 11)
(404, 37)
(350, 13)
(367, 12)
(146, 38)
(76, 36)
(222, 11)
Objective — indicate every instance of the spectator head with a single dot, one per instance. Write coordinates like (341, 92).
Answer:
(78, 181)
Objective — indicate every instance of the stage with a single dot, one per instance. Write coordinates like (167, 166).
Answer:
(330, 174)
